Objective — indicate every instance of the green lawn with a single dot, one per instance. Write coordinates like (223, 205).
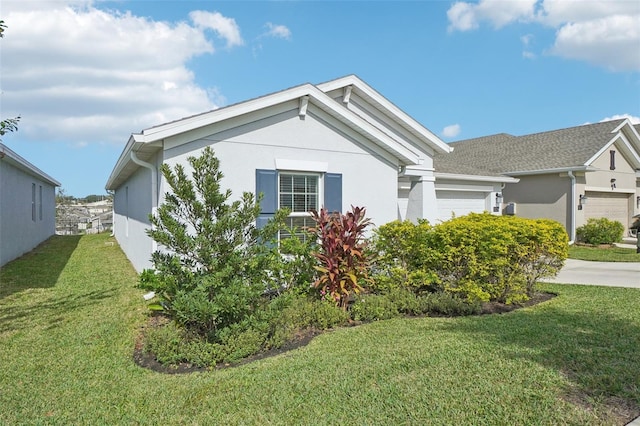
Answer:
(610, 254)
(70, 314)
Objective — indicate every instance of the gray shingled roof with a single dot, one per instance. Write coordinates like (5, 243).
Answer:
(503, 154)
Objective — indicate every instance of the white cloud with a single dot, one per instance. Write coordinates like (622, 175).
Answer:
(451, 131)
(79, 74)
(464, 16)
(612, 42)
(225, 27)
(277, 31)
(604, 33)
(633, 119)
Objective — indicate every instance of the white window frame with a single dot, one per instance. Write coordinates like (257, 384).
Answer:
(320, 191)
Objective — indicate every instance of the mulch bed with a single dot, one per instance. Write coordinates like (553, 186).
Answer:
(147, 360)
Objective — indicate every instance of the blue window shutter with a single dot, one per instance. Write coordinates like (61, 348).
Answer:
(333, 192)
(267, 184)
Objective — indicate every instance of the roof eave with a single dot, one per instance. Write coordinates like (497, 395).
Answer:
(583, 168)
(24, 165)
(482, 178)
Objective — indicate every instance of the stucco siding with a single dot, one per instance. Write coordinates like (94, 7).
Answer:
(369, 177)
(131, 208)
(624, 174)
(25, 220)
(541, 196)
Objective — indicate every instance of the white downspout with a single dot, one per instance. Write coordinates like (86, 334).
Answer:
(572, 201)
(154, 188)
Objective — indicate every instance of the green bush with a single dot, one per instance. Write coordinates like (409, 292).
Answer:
(373, 307)
(600, 231)
(401, 254)
(270, 326)
(172, 345)
(442, 303)
(216, 263)
(484, 257)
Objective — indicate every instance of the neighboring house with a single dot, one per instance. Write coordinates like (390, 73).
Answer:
(334, 144)
(90, 218)
(569, 175)
(27, 205)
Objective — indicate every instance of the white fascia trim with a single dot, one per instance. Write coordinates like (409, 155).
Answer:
(123, 160)
(24, 165)
(400, 116)
(351, 119)
(478, 178)
(584, 168)
(301, 166)
(625, 143)
(316, 96)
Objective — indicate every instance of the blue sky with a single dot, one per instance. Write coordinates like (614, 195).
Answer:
(84, 75)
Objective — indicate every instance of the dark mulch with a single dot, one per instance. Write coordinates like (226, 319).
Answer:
(148, 360)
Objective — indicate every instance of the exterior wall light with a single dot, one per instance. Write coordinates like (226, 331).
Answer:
(613, 184)
(582, 201)
(496, 208)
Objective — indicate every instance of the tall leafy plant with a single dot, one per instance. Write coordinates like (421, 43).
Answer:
(214, 262)
(343, 263)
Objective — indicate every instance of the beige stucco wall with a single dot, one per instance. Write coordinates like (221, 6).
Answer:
(541, 196)
(624, 174)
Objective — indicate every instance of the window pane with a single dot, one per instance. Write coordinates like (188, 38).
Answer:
(286, 183)
(299, 183)
(312, 202)
(312, 184)
(286, 201)
(299, 204)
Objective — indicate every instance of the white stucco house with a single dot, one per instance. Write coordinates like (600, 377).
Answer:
(27, 205)
(332, 145)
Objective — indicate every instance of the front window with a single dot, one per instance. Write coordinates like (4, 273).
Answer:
(300, 194)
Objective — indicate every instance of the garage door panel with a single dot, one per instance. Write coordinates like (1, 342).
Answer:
(460, 203)
(613, 206)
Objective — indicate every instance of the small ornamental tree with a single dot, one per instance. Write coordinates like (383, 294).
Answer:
(343, 264)
(214, 263)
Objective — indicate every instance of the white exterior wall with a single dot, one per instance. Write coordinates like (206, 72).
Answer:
(369, 178)
(19, 233)
(131, 209)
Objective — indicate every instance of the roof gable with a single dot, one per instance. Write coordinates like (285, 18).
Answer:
(150, 140)
(352, 86)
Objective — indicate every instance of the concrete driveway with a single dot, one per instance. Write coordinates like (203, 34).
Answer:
(613, 274)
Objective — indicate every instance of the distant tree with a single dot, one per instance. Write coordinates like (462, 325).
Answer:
(7, 125)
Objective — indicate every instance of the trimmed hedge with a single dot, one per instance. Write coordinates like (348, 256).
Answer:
(498, 258)
(479, 257)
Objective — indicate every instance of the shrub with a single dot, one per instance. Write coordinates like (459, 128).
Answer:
(500, 258)
(401, 254)
(215, 262)
(442, 303)
(173, 345)
(373, 307)
(344, 265)
(600, 231)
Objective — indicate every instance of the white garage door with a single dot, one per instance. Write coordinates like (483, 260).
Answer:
(460, 203)
(613, 206)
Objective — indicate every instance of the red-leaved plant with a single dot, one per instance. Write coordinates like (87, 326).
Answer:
(341, 254)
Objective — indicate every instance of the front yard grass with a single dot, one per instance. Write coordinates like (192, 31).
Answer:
(603, 254)
(68, 329)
